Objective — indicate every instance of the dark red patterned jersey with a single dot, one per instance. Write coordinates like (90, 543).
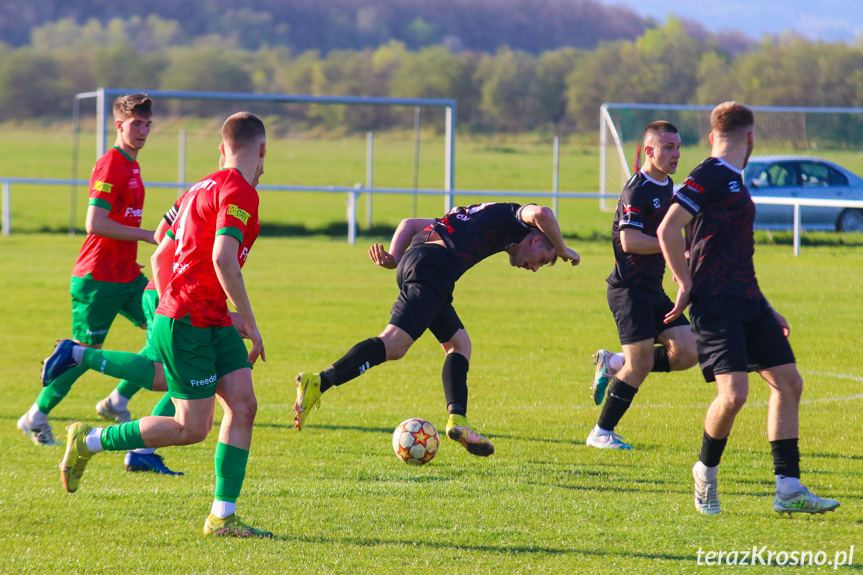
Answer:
(722, 242)
(475, 232)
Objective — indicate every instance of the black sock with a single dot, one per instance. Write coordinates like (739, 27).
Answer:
(660, 359)
(363, 356)
(786, 457)
(711, 450)
(454, 376)
(617, 401)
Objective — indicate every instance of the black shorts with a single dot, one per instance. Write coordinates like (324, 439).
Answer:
(639, 313)
(426, 276)
(737, 334)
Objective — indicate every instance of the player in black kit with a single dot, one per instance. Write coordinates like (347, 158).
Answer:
(430, 255)
(736, 331)
(635, 294)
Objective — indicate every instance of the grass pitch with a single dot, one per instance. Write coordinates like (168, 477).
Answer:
(341, 502)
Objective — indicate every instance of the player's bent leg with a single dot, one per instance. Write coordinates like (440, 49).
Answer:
(458, 429)
(59, 362)
(236, 395)
(783, 407)
(706, 489)
(732, 392)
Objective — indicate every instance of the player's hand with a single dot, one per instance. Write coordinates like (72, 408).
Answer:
(786, 329)
(570, 255)
(257, 344)
(680, 303)
(382, 257)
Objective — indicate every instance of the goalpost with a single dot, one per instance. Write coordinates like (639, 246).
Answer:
(278, 105)
(834, 134)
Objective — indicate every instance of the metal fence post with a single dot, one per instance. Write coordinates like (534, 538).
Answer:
(181, 163)
(352, 216)
(370, 175)
(7, 208)
(555, 178)
(796, 229)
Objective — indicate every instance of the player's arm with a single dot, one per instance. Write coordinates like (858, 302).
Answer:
(230, 275)
(162, 262)
(543, 219)
(100, 224)
(637, 242)
(673, 246)
(406, 230)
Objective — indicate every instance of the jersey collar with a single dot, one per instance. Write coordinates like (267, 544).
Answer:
(729, 166)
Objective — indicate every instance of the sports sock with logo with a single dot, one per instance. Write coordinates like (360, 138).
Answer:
(617, 401)
(360, 358)
(454, 376)
(135, 368)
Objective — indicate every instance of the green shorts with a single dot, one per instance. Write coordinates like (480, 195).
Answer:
(150, 301)
(95, 304)
(195, 358)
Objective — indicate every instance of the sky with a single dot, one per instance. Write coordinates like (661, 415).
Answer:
(827, 20)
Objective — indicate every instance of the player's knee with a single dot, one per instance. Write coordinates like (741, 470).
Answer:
(246, 411)
(791, 386)
(193, 433)
(734, 399)
(683, 358)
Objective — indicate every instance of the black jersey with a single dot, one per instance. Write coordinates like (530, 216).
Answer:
(642, 205)
(475, 232)
(722, 241)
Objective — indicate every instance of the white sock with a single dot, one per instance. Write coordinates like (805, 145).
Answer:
(38, 420)
(597, 430)
(615, 362)
(145, 450)
(706, 473)
(223, 508)
(78, 354)
(788, 485)
(93, 441)
(118, 402)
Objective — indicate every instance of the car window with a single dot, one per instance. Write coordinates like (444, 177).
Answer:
(814, 175)
(837, 178)
(778, 175)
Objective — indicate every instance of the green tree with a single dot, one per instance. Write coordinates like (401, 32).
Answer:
(31, 87)
(548, 94)
(508, 78)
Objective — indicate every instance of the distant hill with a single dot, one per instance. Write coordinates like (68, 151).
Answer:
(481, 25)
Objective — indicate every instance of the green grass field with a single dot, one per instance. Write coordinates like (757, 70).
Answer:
(340, 501)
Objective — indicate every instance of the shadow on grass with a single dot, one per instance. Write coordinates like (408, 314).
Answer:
(499, 549)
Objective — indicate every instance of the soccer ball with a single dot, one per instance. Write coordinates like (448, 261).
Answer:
(415, 441)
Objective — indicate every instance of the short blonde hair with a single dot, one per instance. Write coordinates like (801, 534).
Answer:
(731, 117)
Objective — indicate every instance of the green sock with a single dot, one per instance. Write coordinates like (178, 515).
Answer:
(165, 407)
(128, 388)
(122, 437)
(230, 471)
(135, 369)
(53, 394)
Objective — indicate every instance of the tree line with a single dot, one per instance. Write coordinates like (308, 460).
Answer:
(506, 90)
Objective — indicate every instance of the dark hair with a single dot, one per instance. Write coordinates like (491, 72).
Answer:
(660, 127)
(133, 105)
(242, 129)
(731, 116)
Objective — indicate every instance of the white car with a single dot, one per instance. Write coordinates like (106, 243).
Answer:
(803, 177)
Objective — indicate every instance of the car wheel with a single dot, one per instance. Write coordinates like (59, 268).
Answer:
(850, 221)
